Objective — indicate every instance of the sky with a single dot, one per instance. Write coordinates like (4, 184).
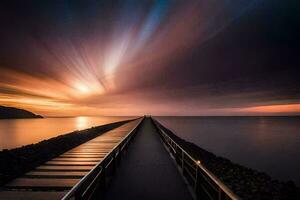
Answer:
(136, 57)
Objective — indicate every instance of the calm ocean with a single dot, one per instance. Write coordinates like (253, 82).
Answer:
(267, 144)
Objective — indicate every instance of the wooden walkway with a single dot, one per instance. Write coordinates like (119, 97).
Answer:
(55, 178)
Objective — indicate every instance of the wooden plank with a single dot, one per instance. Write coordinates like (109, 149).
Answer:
(91, 151)
(68, 159)
(30, 195)
(68, 163)
(27, 183)
(99, 146)
(55, 173)
(63, 168)
(82, 156)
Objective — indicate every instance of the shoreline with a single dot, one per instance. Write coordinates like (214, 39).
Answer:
(245, 182)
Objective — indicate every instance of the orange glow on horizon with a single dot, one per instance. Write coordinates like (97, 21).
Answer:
(283, 108)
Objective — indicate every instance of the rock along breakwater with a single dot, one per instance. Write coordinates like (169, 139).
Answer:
(247, 183)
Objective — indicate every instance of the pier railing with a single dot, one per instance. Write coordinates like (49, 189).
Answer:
(96, 179)
(204, 183)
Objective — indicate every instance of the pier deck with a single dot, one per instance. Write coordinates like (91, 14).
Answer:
(55, 178)
(147, 171)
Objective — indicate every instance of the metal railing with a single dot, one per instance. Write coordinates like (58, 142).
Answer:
(97, 177)
(204, 183)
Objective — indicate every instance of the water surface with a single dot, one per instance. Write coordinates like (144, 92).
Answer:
(18, 132)
(268, 144)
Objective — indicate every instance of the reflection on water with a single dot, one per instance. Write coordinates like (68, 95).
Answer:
(81, 122)
(18, 132)
(268, 144)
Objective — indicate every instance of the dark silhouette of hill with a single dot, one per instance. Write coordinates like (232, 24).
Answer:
(15, 113)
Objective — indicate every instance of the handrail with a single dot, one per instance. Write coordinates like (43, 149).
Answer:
(221, 187)
(101, 169)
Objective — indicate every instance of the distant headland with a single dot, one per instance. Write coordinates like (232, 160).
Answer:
(16, 113)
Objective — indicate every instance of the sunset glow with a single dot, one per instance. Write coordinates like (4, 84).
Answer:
(289, 108)
(136, 58)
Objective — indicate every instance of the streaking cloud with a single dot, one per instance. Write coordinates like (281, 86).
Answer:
(101, 56)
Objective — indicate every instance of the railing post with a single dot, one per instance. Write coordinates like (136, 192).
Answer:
(120, 154)
(77, 196)
(196, 179)
(104, 175)
(221, 194)
(114, 162)
(182, 161)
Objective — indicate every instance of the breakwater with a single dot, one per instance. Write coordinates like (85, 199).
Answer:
(245, 182)
(16, 162)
